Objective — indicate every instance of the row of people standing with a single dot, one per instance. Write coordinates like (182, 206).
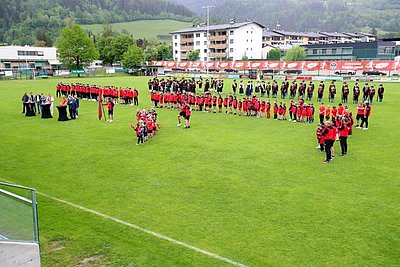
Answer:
(126, 96)
(295, 89)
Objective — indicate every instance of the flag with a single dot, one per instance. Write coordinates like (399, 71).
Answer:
(100, 108)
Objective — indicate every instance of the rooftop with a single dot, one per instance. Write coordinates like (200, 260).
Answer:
(217, 27)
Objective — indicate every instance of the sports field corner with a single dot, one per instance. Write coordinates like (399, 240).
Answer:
(250, 191)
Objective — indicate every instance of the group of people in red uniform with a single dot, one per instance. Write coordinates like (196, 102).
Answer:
(120, 95)
(338, 125)
(330, 131)
(146, 125)
(299, 111)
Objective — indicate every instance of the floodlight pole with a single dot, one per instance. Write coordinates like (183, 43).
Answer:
(208, 33)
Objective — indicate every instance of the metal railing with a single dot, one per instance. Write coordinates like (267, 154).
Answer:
(18, 213)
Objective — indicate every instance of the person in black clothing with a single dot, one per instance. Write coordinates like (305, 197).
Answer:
(72, 107)
(381, 90)
(25, 99)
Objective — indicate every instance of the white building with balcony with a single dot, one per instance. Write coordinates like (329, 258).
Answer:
(232, 41)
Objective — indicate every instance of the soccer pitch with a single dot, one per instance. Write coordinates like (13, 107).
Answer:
(253, 191)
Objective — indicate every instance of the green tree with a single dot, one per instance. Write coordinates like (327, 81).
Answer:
(75, 48)
(245, 58)
(150, 53)
(274, 54)
(193, 55)
(133, 57)
(112, 48)
(164, 52)
(296, 53)
(120, 45)
(107, 31)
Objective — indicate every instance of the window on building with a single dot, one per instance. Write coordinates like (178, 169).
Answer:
(315, 51)
(323, 51)
(231, 32)
(205, 50)
(247, 40)
(231, 41)
(205, 42)
(231, 50)
(347, 50)
(251, 31)
(175, 36)
(197, 34)
(176, 44)
(205, 34)
(30, 53)
(205, 58)
(176, 51)
(247, 32)
(334, 51)
(197, 42)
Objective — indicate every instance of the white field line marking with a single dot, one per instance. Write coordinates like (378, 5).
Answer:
(3, 237)
(141, 229)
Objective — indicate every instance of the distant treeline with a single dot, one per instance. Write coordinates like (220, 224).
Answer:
(39, 21)
(307, 15)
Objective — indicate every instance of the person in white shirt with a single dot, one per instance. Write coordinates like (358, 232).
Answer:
(50, 100)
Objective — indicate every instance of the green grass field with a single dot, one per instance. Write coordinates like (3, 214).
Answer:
(252, 190)
(148, 29)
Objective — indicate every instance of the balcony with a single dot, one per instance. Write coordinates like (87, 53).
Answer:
(218, 55)
(187, 48)
(186, 40)
(218, 46)
(218, 37)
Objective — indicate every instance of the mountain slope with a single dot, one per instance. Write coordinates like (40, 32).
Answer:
(307, 15)
(24, 21)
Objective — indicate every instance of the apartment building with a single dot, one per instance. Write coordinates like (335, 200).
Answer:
(280, 37)
(232, 41)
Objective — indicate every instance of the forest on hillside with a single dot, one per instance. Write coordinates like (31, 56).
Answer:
(306, 15)
(39, 21)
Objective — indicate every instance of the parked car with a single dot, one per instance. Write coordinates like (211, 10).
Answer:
(373, 72)
(230, 70)
(292, 72)
(178, 69)
(213, 70)
(345, 72)
(253, 74)
(270, 71)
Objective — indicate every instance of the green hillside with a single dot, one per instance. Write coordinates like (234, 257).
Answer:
(39, 21)
(148, 29)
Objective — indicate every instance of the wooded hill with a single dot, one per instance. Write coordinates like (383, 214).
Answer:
(39, 21)
(307, 15)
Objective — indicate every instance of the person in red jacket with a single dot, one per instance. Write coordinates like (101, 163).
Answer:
(220, 100)
(188, 112)
(343, 134)
(320, 138)
(268, 109)
(182, 113)
(135, 97)
(110, 107)
(367, 113)
(275, 110)
(329, 135)
(327, 113)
